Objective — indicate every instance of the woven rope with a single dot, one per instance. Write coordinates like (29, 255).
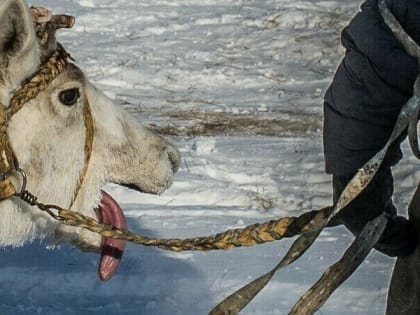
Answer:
(39, 81)
(251, 235)
(31, 89)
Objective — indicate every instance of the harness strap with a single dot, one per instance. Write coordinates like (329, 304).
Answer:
(412, 126)
(413, 50)
(38, 82)
(89, 129)
(29, 90)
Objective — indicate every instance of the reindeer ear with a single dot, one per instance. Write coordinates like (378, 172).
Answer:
(17, 35)
(19, 49)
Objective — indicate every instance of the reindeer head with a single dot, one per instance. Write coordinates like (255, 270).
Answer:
(48, 136)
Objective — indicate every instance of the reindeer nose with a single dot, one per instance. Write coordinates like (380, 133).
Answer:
(174, 157)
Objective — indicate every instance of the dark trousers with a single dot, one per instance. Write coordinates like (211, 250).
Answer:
(400, 236)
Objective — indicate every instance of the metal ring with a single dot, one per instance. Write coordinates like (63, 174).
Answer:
(24, 179)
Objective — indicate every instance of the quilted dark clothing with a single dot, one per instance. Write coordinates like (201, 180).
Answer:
(372, 83)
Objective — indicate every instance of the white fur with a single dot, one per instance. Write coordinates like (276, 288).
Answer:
(48, 139)
(26, 60)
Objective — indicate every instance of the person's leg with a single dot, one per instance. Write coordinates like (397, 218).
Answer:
(400, 235)
(404, 288)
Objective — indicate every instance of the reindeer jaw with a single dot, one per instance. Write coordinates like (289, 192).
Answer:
(149, 189)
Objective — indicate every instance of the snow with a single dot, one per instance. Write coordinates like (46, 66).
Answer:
(181, 64)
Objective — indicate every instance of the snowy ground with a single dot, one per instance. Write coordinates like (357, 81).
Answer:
(256, 69)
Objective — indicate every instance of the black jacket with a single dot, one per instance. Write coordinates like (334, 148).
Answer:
(373, 81)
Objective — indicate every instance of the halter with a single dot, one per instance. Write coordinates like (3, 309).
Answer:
(42, 78)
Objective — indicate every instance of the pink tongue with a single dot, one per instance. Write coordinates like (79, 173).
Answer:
(110, 213)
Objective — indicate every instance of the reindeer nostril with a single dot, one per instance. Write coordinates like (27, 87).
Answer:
(174, 157)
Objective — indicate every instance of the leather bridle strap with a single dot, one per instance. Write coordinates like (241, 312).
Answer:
(89, 127)
(38, 83)
(43, 77)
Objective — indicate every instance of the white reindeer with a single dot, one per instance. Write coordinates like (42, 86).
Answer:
(48, 138)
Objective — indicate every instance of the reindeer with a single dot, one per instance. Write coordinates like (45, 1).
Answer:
(48, 137)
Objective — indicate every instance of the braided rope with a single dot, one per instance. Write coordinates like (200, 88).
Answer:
(248, 236)
(39, 81)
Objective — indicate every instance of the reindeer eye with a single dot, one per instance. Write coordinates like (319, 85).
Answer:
(69, 97)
